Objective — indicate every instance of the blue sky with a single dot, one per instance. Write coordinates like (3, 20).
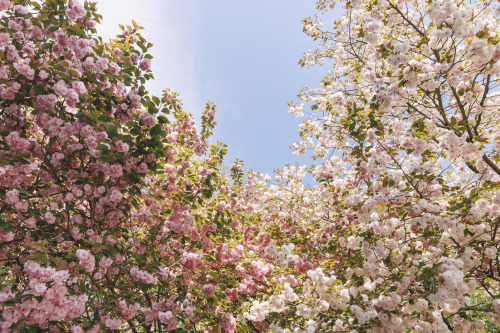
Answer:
(242, 55)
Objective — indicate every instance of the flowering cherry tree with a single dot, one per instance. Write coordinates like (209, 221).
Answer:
(401, 232)
(114, 214)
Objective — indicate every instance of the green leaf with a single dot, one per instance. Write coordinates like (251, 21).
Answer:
(4, 225)
(102, 147)
(111, 131)
(111, 249)
(40, 257)
(10, 301)
(141, 45)
(162, 119)
(212, 300)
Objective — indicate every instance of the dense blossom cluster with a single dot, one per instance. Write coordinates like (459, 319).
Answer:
(115, 214)
(400, 231)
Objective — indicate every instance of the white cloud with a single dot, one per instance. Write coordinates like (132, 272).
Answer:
(172, 27)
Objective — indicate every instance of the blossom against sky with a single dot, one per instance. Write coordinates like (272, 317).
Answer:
(241, 55)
